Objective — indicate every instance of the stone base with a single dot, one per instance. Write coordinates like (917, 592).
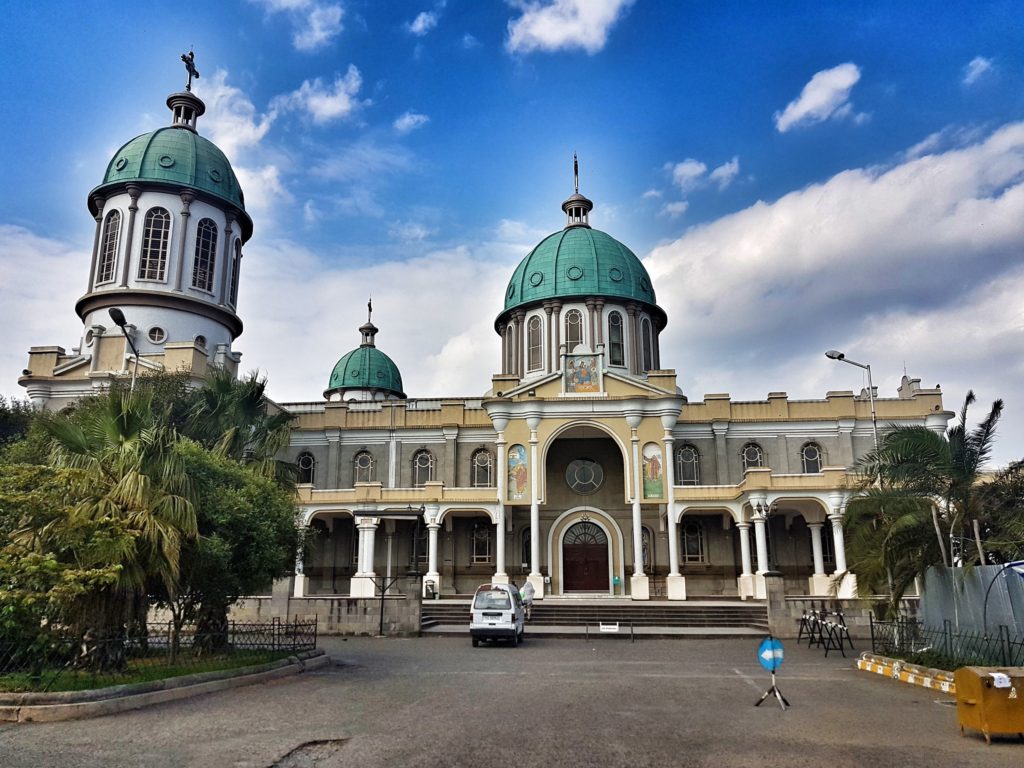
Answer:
(640, 587)
(435, 580)
(745, 586)
(760, 590)
(819, 585)
(675, 586)
(500, 578)
(301, 585)
(848, 587)
(362, 586)
(538, 585)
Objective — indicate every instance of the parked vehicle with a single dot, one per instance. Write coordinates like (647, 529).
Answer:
(497, 613)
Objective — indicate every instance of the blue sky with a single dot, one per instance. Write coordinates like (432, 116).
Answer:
(796, 176)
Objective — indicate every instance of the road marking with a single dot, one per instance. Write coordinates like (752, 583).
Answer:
(748, 680)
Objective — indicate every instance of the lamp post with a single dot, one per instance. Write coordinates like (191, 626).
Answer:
(119, 320)
(833, 354)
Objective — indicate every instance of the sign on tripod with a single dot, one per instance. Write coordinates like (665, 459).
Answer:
(770, 654)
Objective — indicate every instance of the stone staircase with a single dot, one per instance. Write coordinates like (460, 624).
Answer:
(555, 616)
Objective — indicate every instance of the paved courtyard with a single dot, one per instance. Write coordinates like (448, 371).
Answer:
(436, 701)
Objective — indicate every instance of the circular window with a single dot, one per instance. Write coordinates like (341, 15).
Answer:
(536, 279)
(615, 274)
(89, 337)
(584, 476)
(644, 285)
(120, 164)
(511, 291)
(356, 373)
(380, 374)
(201, 341)
(574, 272)
(157, 334)
(166, 161)
(215, 175)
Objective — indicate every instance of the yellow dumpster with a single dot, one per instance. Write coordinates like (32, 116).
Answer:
(990, 699)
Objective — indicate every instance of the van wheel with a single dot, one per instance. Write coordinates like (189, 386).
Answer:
(476, 642)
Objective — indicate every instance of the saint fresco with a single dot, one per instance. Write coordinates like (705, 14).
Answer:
(517, 473)
(654, 483)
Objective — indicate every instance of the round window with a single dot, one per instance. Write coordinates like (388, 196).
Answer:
(120, 164)
(166, 161)
(574, 272)
(536, 279)
(215, 175)
(584, 476)
(89, 335)
(157, 334)
(615, 274)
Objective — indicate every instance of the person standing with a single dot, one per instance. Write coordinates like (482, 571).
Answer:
(527, 593)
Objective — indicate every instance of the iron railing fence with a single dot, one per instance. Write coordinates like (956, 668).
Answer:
(55, 661)
(946, 647)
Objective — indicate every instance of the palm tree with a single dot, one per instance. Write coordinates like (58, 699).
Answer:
(132, 480)
(920, 491)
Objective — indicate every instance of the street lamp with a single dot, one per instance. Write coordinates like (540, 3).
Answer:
(118, 317)
(833, 354)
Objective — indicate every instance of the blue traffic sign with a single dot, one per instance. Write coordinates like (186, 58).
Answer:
(769, 653)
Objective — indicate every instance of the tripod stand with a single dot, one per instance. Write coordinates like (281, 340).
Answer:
(778, 695)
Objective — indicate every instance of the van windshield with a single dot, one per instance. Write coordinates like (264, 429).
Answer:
(494, 600)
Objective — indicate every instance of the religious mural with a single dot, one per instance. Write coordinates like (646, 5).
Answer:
(654, 483)
(582, 373)
(517, 473)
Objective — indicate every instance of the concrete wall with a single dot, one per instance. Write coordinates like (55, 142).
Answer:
(784, 612)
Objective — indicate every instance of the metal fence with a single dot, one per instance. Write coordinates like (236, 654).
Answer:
(946, 647)
(58, 662)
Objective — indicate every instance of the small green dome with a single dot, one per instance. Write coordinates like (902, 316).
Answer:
(365, 368)
(577, 262)
(178, 156)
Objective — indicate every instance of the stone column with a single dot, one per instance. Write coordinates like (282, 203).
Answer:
(333, 459)
(451, 458)
(639, 583)
(432, 573)
(634, 365)
(556, 307)
(363, 581)
(301, 580)
(504, 350)
(226, 267)
(838, 541)
(762, 542)
(186, 201)
(535, 576)
(520, 346)
(549, 333)
(721, 428)
(818, 583)
(745, 582)
(99, 201)
(591, 337)
(501, 576)
(675, 584)
(599, 321)
(133, 208)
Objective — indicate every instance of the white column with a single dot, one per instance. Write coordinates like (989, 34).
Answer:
(500, 577)
(848, 585)
(500, 574)
(670, 479)
(762, 543)
(360, 548)
(745, 547)
(363, 580)
(301, 580)
(432, 572)
(819, 560)
(535, 576)
(638, 540)
(839, 543)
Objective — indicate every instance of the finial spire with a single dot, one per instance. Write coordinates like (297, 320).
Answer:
(369, 309)
(190, 67)
(576, 172)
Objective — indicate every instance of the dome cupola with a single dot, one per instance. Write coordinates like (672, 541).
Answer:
(365, 373)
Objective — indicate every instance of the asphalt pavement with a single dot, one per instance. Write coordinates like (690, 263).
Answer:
(436, 701)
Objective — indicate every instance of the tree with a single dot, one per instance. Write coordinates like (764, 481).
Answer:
(132, 483)
(920, 492)
(15, 418)
(248, 536)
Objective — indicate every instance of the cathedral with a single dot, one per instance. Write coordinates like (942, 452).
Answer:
(584, 469)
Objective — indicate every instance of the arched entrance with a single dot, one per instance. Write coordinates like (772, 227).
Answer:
(585, 558)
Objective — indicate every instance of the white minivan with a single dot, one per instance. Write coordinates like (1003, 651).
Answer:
(497, 613)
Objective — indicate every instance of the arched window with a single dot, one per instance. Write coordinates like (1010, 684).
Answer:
(688, 466)
(647, 340)
(752, 456)
(534, 343)
(306, 465)
(573, 329)
(108, 247)
(422, 468)
(694, 543)
(363, 468)
(616, 347)
(236, 265)
(206, 255)
(510, 349)
(810, 457)
(482, 466)
(481, 536)
(156, 237)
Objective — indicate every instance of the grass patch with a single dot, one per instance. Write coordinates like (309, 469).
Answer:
(156, 666)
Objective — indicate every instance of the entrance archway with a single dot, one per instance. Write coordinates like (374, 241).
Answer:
(585, 558)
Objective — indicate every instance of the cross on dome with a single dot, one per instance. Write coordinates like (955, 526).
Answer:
(577, 208)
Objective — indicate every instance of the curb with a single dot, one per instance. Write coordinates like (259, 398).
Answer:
(75, 705)
(912, 674)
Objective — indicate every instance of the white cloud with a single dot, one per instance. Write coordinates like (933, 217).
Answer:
(231, 120)
(676, 209)
(563, 25)
(977, 67)
(651, 193)
(725, 173)
(362, 161)
(410, 121)
(410, 231)
(469, 42)
(263, 188)
(825, 96)
(310, 214)
(886, 263)
(314, 24)
(686, 174)
(423, 23)
(324, 103)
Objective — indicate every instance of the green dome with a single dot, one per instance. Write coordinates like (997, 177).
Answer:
(578, 262)
(365, 368)
(175, 156)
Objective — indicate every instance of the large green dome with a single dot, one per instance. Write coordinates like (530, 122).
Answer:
(365, 368)
(578, 262)
(175, 156)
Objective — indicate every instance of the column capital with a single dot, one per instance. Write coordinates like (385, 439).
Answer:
(99, 201)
